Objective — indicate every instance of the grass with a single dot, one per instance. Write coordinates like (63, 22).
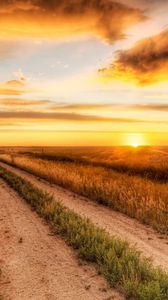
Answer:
(122, 266)
(136, 197)
(130, 166)
(146, 162)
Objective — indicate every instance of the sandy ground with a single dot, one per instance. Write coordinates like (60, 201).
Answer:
(37, 265)
(149, 242)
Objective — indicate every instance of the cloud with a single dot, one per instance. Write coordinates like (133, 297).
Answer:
(81, 106)
(6, 90)
(71, 109)
(12, 87)
(146, 63)
(151, 106)
(15, 86)
(145, 4)
(15, 83)
(21, 77)
(12, 6)
(58, 116)
(102, 18)
(7, 124)
(23, 115)
(23, 102)
(114, 107)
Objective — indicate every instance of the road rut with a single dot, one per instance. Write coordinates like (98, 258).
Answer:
(35, 264)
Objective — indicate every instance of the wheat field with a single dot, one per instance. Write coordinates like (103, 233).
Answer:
(90, 173)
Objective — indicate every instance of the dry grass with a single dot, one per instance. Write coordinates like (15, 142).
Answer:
(145, 200)
(147, 162)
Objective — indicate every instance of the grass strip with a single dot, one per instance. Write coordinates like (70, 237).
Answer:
(122, 265)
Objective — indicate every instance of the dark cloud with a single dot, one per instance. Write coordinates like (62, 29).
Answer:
(104, 18)
(145, 63)
(12, 6)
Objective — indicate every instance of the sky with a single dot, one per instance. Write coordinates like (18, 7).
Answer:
(83, 72)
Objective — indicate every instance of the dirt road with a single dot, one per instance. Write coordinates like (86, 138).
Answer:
(149, 242)
(37, 265)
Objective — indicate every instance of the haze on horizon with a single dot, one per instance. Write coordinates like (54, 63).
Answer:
(78, 72)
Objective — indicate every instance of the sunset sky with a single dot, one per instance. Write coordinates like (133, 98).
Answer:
(83, 72)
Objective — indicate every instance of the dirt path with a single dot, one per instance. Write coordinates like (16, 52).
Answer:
(143, 237)
(37, 265)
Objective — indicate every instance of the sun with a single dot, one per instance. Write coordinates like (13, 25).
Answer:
(135, 145)
(135, 140)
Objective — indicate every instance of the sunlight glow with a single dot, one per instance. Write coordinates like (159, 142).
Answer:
(135, 140)
(135, 145)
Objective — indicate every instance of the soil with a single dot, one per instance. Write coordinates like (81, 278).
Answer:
(37, 265)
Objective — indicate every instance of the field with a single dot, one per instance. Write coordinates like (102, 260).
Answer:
(150, 162)
(133, 182)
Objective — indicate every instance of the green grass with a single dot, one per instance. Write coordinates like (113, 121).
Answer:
(122, 265)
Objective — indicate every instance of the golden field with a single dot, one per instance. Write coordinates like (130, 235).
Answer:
(132, 181)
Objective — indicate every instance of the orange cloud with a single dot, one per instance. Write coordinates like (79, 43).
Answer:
(15, 86)
(12, 87)
(11, 6)
(40, 18)
(74, 117)
(97, 107)
(78, 107)
(151, 106)
(23, 102)
(146, 63)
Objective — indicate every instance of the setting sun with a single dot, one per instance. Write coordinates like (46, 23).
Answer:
(135, 145)
(135, 140)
